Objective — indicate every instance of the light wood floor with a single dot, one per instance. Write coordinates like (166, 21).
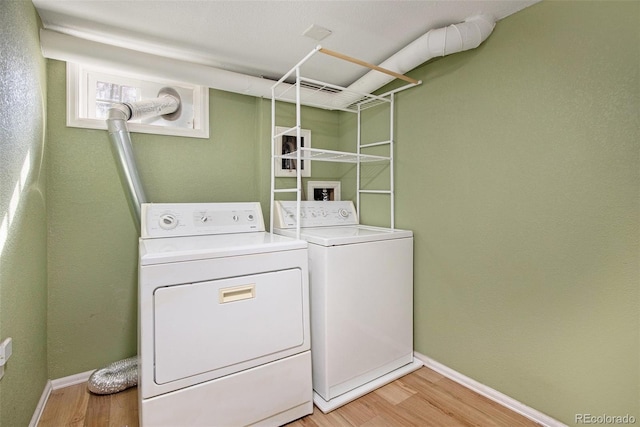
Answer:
(422, 398)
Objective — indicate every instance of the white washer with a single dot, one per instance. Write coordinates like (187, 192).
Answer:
(361, 280)
(224, 335)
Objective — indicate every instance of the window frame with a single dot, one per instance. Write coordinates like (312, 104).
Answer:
(78, 103)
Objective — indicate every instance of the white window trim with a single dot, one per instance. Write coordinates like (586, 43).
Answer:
(77, 101)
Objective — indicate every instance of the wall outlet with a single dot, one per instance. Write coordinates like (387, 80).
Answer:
(6, 349)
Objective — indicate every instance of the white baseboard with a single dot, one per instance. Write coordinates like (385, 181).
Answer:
(52, 385)
(490, 393)
(35, 419)
(70, 380)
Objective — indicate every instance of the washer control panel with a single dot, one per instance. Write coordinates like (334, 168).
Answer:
(193, 219)
(315, 213)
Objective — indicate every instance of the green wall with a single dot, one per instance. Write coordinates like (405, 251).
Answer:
(23, 233)
(518, 170)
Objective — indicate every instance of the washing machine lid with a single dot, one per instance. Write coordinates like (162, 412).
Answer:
(346, 235)
(191, 248)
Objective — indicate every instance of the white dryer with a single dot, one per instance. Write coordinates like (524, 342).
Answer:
(224, 335)
(361, 281)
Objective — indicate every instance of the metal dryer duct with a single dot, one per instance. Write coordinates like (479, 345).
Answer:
(115, 377)
(167, 105)
(437, 42)
(123, 374)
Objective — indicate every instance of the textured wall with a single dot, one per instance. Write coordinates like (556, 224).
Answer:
(518, 170)
(23, 234)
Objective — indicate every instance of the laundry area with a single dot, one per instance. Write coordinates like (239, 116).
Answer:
(354, 204)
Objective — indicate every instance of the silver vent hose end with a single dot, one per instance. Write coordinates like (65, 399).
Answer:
(115, 377)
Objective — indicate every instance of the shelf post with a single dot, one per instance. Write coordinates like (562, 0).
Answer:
(298, 152)
(391, 150)
(358, 167)
(273, 175)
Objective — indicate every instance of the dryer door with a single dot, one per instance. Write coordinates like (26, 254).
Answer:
(216, 325)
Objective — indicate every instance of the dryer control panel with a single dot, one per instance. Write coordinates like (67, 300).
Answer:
(315, 213)
(194, 219)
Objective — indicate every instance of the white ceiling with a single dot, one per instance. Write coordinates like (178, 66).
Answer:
(264, 38)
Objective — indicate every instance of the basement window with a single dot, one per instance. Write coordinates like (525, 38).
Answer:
(91, 92)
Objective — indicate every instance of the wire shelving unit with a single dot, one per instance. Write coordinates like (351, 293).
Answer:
(318, 94)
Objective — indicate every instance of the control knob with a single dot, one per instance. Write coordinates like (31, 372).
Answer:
(168, 221)
(343, 213)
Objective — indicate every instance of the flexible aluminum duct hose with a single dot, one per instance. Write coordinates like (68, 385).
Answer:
(167, 105)
(115, 377)
(123, 374)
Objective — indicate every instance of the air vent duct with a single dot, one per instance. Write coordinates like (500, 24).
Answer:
(167, 105)
(437, 42)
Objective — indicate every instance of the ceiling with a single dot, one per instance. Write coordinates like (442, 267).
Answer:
(264, 38)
